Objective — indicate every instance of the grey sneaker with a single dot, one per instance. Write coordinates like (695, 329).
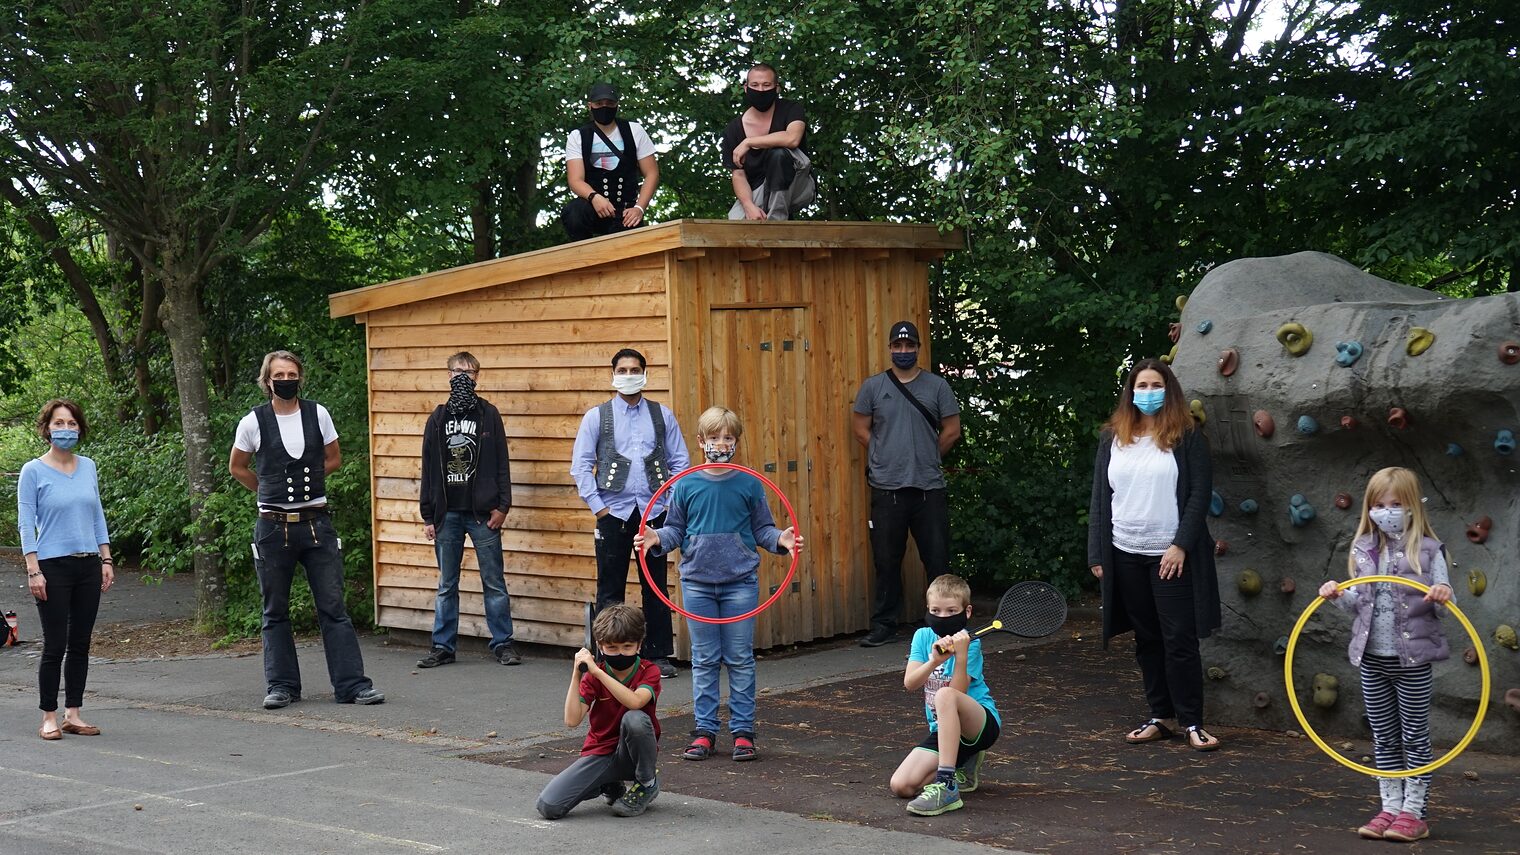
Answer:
(636, 798)
(278, 698)
(613, 791)
(368, 696)
(969, 777)
(439, 656)
(935, 800)
(506, 654)
(667, 670)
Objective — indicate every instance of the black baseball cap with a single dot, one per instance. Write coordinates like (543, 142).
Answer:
(602, 92)
(903, 329)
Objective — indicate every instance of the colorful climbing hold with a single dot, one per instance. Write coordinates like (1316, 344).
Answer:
(1221, 547)
(1504, 634)
(1509, 352)
(1470, 656)
(1249, 506)
(1249, 582)
(1504, 442)
(1349, 423)
(1174, 331)
(1453, 450)
(1398, 417)
(1326, 691)
(1265, 427)
(1229, 360)
(1478, 531)
(1195, 407)
(1216, 504)
(1204, 327)
(1181, 302)
(1512, 699)
(1477, 582)
(1170, 356)
(1216, 673)
(1307, 425)
(1287, 585)
(1420, 340)
(1300, 512)
(1295, 338)
(1347, 353)
(1262, 700)
(1280, 646)
(1343, 500)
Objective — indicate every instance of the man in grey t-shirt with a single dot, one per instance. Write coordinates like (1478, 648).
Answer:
(905, 443)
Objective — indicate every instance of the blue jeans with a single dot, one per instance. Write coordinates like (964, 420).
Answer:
(314, 545)
(730, 644)
(448, 545)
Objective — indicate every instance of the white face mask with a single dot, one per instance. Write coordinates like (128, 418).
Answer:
(628, 384)
(1390, 520)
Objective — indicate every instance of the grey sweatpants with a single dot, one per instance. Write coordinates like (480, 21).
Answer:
(634, 760)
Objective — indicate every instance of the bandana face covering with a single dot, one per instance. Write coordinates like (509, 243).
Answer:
(461, 394)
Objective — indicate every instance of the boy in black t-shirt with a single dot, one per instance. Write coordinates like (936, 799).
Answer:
(765, 147)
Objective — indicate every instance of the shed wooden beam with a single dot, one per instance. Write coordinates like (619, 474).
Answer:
(753, 253)
(816, 254)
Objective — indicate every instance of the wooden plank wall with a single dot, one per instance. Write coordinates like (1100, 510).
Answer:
(545, 347)
(850, 298)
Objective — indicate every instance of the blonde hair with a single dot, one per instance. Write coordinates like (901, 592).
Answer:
(1405, 487)
(619, 623)
(950, 587)
(264, 370)
(715, 419)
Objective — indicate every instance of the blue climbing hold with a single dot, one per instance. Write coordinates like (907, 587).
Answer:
(1307, 425)
(1299, 510)
(1504, 443)
(1281, 646)
(1249, 506)
(1453, 450)
(1204, 327)
(1216, 504)
(1347, 353)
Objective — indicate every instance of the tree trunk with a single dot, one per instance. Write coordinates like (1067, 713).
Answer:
(185, 328)
(482, 226)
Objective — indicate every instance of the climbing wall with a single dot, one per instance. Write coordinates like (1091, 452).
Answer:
(1309, 375)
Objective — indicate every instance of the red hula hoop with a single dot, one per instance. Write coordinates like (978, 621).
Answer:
(644, 525)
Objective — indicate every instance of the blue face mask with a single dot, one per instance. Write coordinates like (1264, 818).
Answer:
(1149, 401)
(65, 439)
(905, 359)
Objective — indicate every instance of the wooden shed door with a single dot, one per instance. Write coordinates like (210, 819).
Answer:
(757, 363)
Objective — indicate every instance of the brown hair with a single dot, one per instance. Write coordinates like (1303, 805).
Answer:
(465, 358)
(1172, 422)
(618, 624)
(1405, 486)
(47, 415)
(950, 587)
(264, 370)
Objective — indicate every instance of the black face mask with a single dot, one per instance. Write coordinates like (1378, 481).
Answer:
(620, 661)
(760, 99)
(285, 389)
(948, 625)
(604, 115)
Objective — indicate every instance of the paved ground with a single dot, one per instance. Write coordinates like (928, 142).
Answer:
(186, 740)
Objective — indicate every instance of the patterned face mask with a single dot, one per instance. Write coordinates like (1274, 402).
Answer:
(461, 394)
(717, 454)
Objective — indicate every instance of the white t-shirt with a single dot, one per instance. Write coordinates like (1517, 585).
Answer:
(292, 436)
(1144, 480)
(603, 157)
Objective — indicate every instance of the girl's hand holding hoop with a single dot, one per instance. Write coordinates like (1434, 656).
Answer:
(1330, 590)
(1439, 594)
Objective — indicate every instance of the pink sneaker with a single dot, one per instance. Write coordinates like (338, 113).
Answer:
(1375, 827)
(1407, 829)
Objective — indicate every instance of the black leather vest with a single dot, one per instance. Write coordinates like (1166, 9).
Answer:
(285, 480)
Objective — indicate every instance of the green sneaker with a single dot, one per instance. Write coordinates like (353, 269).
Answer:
(935, 800)
(969, 777)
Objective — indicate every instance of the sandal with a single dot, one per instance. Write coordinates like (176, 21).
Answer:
(700, 747)
(744, 748)
(1200, 739)
(1162, 732)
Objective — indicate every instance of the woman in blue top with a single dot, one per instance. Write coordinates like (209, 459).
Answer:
(68, 561)
(718, 518)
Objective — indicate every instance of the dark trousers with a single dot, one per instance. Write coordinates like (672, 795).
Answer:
(614, 551)
(314, 545)
(68, 618)
(894, 513)
(581, 221)
(634, 760)
(1166, 635)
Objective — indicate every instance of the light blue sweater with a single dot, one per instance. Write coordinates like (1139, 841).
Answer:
(60, 514)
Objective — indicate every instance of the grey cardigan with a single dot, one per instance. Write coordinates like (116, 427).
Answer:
(1195, 477)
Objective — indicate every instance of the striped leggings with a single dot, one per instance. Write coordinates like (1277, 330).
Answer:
(1398, 708)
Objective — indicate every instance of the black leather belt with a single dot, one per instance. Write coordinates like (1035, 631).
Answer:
(301, 515)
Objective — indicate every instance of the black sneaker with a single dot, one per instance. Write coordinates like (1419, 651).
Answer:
(613, 791)
(667, 670)
(636, 799)
(278, 698)
(506, 654)
(439, 656)
(366, 697)
(878, 636)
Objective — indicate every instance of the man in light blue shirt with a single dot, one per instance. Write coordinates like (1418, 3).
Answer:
(624, 451)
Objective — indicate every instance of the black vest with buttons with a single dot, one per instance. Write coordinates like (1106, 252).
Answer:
(620, 185)
(286, 480)
(612, 467)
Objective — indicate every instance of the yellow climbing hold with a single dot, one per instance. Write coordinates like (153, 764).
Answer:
(1171, 355)
(1181, 302)
(1477, 582)
(1420, 340)
(1199, 416)
(1295, 338)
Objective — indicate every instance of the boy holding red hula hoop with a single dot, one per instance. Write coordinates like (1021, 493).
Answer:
(718, 518)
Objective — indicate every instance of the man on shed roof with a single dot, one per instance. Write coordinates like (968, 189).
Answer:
(765, 149)
(611, 168)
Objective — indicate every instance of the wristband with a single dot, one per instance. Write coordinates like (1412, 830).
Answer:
(34, 575)
(593, 195)
(107, 561)
(640, 207)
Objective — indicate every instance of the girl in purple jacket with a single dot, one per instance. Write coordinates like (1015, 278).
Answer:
(1395, 637)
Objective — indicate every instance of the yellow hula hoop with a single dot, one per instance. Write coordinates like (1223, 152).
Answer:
(1368, 770)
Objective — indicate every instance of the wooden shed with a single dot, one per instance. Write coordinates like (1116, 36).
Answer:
(779, 321)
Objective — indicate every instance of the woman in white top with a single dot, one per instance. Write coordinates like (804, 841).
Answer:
(1148, 542)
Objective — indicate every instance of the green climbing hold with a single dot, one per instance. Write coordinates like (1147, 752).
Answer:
(1420, 340)
(1295, 338)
